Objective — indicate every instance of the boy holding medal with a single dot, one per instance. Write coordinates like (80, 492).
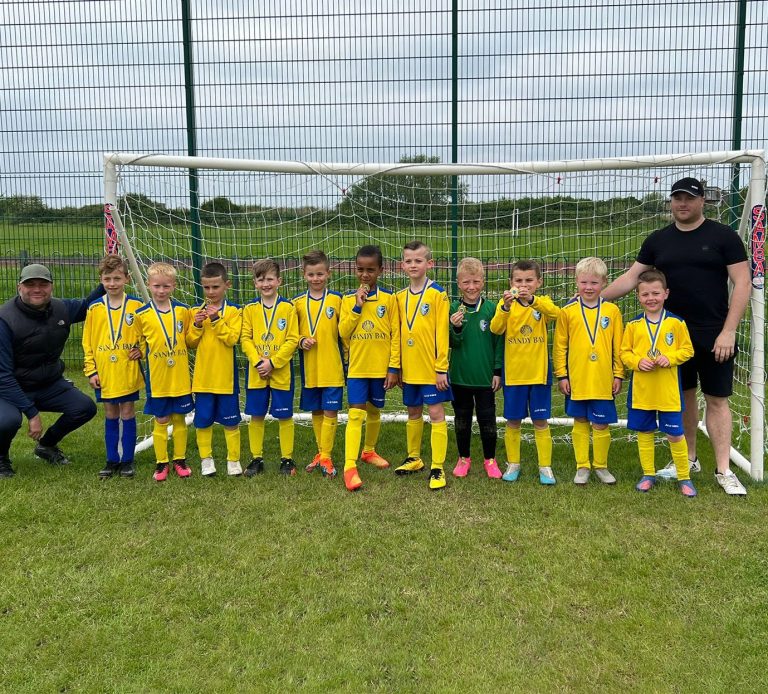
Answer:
(587, 363)
(370, 328)
(162, 325)
(475, 367)
(655, 344)
(320, 357)
(112, 365)
(269, 339)
(423, 308)
(522, 317)
(214, 332)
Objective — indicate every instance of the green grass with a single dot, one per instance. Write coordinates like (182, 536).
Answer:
(280, 584)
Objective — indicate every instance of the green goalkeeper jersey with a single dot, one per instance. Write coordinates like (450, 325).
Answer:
(476, 353)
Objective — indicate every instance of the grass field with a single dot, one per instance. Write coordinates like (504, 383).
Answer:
(295, 584)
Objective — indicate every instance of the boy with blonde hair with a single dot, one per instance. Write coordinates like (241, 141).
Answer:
(112, 366)
(587, 363)
(320, 357)
(214, 332)
(163, 324)
(269, 339)
(423, 307)
(522, 317)
(475, 367)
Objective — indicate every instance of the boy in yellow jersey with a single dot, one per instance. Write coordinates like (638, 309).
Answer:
(112, 365)
(320, 357)
(587, 362)
(269, 339)
(522, 317)
(214, 332)
(655, 344)
(163, 325)
(370, 327)
(423, 307)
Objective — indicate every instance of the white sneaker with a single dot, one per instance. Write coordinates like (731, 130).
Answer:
(582, 475)
(730, 483)
(207, 467)
(604, 475)
(234, 468)
(669, 471)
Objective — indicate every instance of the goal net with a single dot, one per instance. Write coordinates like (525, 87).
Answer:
(189, 210)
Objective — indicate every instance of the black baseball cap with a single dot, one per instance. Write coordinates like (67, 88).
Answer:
(35, 271)
(691, 186)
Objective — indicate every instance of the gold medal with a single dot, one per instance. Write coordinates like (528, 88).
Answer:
(266, 353)
(515, 292)
(593, 356)
(410, 342)
(113, 358)
(365, 288)
(462, 309)
(653, 353)
(171, 362)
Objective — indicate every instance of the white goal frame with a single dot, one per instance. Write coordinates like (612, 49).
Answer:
(751, 226)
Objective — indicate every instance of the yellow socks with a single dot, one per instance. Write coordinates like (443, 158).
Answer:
(414, 428)
(512, 444)
(372, 427)
(439, 443)
(327, 436)
(543, 439)
(580, 437)
(160, 442)
(645, 449)
(679, 451)
(232, 437)
(601, 442)
(205, 442)
(286, 437)
(353, 435)
(256, 437)
(179, 436)
(317, 427)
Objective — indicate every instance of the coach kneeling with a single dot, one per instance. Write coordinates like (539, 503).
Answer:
(33, 331)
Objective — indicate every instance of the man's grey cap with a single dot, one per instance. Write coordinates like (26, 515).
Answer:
(35, 271)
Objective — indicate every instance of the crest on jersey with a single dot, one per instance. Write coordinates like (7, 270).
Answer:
(380, 311)
(669, 338)
(526, 330)
(424, 309)
(536, 315)
(367, 325)
(281, 323)
(483, 325)
(330, 311)
(179, 326)
(129, 319)
(605, 322)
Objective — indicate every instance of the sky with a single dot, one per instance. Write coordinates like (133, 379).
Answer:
(367, 81)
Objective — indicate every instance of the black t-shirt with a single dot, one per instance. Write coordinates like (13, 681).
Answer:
(696, 266)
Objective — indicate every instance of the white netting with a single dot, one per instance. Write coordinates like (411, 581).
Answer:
(555, 218)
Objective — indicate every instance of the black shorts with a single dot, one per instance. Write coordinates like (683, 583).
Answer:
(716, 378)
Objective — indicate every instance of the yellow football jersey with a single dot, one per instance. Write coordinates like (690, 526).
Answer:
(659, 389)
(371, 333)
(587, 349)
(423, 333)
(215, 369)
(109, 334)
(163, 343)
(270, 333)
(321, 366)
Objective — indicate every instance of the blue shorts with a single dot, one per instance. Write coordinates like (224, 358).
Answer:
(214, 407)
(329, 398)
(670, 423)
(165, 407)
(279, 402)
(362, 390)
(520, 401)
(596, 411)
(415, 396)
(130, 397)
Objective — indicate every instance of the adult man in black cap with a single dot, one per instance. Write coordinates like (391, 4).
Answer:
(698, 257)
(33, 331)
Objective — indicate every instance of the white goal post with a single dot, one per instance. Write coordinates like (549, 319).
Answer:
(548, 210)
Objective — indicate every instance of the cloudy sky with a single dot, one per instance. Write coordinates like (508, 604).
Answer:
(321, 80)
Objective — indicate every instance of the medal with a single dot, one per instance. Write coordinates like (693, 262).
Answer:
(171, 362)
(313, 324)
(365, 288)
(114, 335)
(113, 358)
(266, 353)
(268, 336)
(170, 342)
(591, 332)
(515, 292)
(654, 335)
(410, 342)
(593, 356)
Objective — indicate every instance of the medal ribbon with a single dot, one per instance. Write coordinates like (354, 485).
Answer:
(592, 333)
(115, 338)
(268, 324)
(476, 306)
(171, 343)
(410, 321)
(655, 335)
(313, 325)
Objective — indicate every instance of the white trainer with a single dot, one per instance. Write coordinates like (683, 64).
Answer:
(207, 467)
(730, 483)
(582, 475)
(669, 471)
(604, 475)
(234, 468)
